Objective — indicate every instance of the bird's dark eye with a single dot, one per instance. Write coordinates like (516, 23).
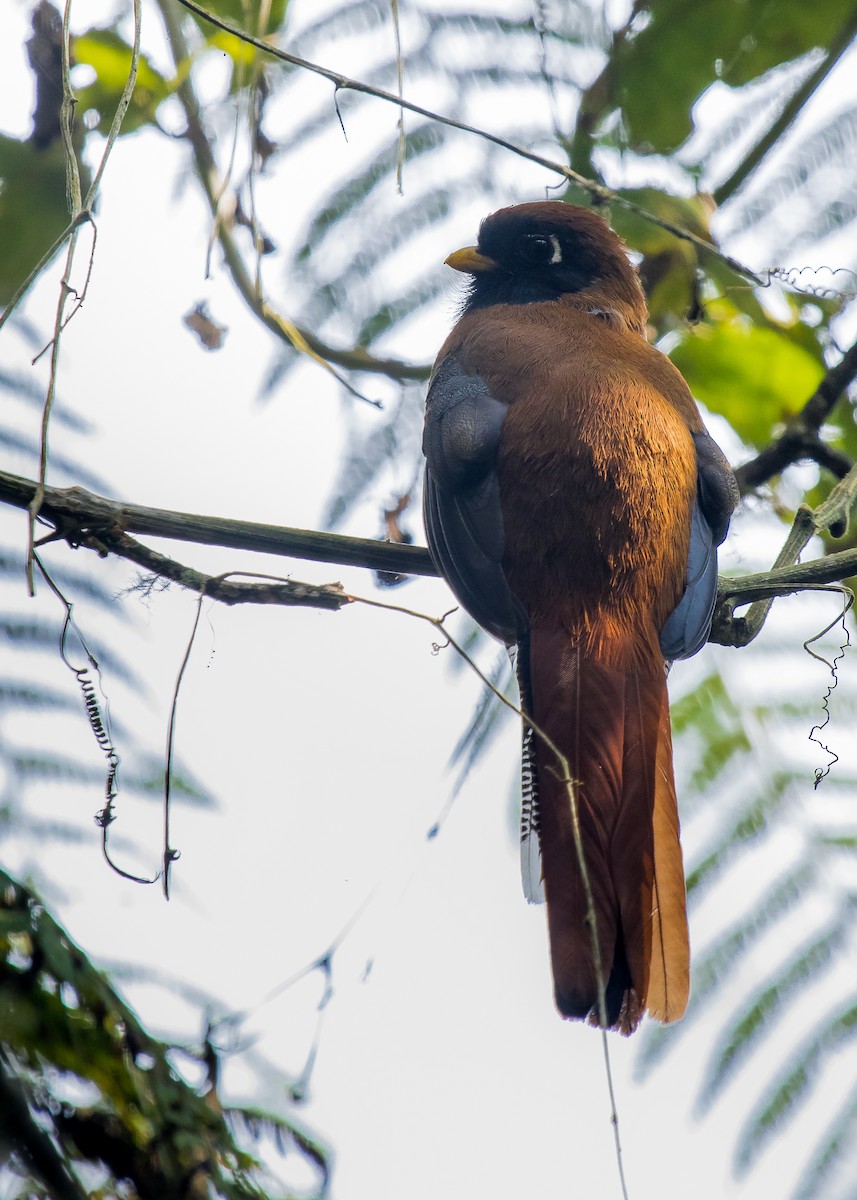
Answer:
(540, 249)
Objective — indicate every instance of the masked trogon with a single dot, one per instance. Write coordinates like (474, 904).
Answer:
(574, 502)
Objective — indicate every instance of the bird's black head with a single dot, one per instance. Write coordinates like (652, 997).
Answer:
(541, 251)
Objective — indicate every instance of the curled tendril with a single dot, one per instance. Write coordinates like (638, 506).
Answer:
(833, 758)
(98, 716)
(793, 278)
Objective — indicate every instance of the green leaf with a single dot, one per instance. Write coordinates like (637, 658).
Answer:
(246, 15)
(659, 74)
(144, 1124)
(110, 57)
(33, 208)
(669, 270)
(757, 378)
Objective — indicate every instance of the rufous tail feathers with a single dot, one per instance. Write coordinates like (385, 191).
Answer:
(610, 720)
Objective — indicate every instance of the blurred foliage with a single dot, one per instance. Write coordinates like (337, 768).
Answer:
(757, 377)
(621, 105)
(109, 56)
(92, 1104)
(33, 208)
(686, 48)
(87, 1092)
(757, 805)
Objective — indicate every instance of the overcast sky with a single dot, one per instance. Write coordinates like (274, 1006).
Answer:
(443, 1068)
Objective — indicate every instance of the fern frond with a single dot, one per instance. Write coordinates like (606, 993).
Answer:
(792, 1086)
(757, 1020)
(838, 1144)
(712, 963)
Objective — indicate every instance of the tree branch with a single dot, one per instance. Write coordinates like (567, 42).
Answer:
(596, 191)
(84, 518)
(787, 575)
(800, 439)
(100, 524)
(354, 359)
(790, 111)
(288, 592)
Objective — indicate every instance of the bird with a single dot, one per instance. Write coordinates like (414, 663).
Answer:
(574, 502)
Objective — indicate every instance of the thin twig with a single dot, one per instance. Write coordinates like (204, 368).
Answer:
(563, 773)
(801, 438)
(72, 169)
(39, 493)
(77, 206)
(168, 853)
(571, 784)
(249, 288)
(79, 296)
(121, 107)
(98, 714)
(400, 83)
(44, 261)
(614, 1115)
(289, 592)
(596, 191)
(323, 963)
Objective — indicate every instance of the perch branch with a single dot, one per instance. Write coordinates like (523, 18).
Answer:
(787, 575)
(97, 523)
(84, 518)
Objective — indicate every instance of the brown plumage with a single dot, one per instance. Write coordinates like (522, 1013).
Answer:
(573, 501)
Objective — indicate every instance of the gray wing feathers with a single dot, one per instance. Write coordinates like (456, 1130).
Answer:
(716, 485)
(463, 516)
(689, 625)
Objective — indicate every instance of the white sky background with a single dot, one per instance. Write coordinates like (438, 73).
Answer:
(325, 738)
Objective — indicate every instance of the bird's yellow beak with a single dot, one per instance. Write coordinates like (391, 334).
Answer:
(470, 261)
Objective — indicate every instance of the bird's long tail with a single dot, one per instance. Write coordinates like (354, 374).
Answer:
(610, 720)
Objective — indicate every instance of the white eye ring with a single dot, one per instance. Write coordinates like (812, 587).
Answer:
(556, 257)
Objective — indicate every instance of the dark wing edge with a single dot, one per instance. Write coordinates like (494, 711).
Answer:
(717, 486)
(461, 500)
(688, 626)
